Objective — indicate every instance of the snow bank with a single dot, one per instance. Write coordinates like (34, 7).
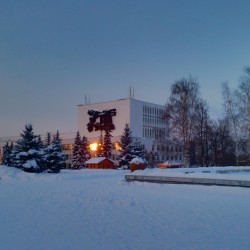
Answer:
(14, 174)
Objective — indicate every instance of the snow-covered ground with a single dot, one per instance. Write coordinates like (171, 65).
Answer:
(97, 209)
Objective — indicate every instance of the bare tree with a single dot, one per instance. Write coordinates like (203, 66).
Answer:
(232, 114)
(202, 133)
(221, 144)
(181, 112)
(243, 97)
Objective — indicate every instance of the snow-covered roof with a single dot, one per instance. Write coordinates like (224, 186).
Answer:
(137, 160)
(95, 160)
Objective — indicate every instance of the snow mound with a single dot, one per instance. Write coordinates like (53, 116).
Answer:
(137, 160)
(9, 173)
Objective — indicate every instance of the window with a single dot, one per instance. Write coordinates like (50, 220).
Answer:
(67, 146)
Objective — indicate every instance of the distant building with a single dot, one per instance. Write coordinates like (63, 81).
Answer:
(145, 121)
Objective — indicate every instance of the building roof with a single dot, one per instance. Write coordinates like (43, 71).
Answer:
(95, 160)
(122, 99)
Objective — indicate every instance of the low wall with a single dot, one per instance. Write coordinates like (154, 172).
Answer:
(188, 180)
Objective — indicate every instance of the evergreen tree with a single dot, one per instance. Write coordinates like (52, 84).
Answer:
(127, 146)
(40, 142)
(13, 154)
(27, 153)
(77, 153)
(54, 158)
(107, 144)
(85, 149)
(47, 140)
(138, 151)
(100, 151)
(7, 154)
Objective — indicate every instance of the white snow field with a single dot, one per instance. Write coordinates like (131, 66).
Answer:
(98, 209)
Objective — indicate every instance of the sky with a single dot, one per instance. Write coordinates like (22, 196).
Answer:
(53, 53)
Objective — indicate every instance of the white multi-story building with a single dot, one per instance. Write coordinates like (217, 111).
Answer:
(144, 119)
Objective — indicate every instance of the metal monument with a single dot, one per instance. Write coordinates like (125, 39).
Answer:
(101, 120)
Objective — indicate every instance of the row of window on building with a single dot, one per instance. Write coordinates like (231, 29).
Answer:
(152, 111)
(154, 133)
(167, 148)
(156, 120)
(169, 157)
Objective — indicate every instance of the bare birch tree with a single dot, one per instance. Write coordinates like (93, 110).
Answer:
(180, 113)
(243, 96)
(232, 114)
(202, 133)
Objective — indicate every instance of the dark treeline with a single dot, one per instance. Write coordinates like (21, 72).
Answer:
(205, 141)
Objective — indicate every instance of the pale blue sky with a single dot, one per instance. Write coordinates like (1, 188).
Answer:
(52, 53)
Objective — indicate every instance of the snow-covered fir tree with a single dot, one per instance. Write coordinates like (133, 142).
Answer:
(127, 147)
(138, 151)
(27, 153)
(85, 149)
(7, 154)
(54, 158)
(47, 140)
(13, 155)
(107, 144)
(77, 153)
(41, 144)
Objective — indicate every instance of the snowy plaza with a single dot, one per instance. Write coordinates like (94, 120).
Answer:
(98, 209)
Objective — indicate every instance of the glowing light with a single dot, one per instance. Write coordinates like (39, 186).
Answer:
(93, 146)
(117, 146)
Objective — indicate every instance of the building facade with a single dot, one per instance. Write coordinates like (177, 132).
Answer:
(144, 119)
